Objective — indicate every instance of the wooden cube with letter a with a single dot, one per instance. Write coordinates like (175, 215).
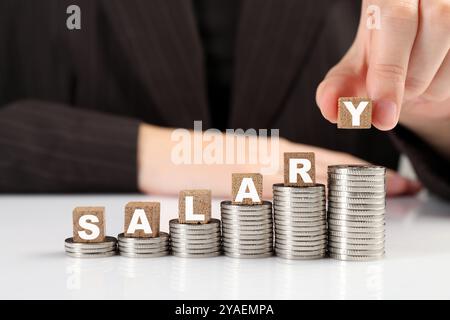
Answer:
(354, 113)
(247, 188)
(142, 219)
(299, 169)
(194, 206)
(89, 224)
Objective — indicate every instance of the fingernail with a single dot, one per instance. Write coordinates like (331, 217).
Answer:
(387, 113)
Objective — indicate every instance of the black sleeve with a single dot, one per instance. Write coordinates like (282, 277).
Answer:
(431, 167)
(47, 147)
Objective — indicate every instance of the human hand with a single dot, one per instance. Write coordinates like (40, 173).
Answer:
(404, 67)
(157, 174)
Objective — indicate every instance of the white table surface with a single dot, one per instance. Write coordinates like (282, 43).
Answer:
(33, 264)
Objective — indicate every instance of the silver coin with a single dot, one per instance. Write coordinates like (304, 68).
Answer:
(191, 251)
(248, 231)
(247, 242)
(295, 237)
(358, 224)
(357, 169)
(345, 217)
(357, 212)
(290, 233)
(257, 236)
(356, 235)
(338, 205)
(226, 218)
(248, 256)
(358, 195)
(240, 207)
(295, 247)
(365, 201)
(299, 216)
(356, 189)
(297, 223)
(361, 177)
(355, 258)
(300, 252)
(301, 210)
(144, 247)
(143, 255)
(248, 246)
(191, 240)
(356, 252)
(247, 214)
(195, 246)
(91, 255)
(292, 204)
(299, 201)
(301, 243)
(89, 250)
(358, 183)
(163, 236)
(299, 257)
(300, 229)
(146, 251)
(107, 243)
(309, 188)
(213, 223)
(299, 197)
(197, 255)
(357, 241)
(376, 230)
(364, 247)
(247, 225)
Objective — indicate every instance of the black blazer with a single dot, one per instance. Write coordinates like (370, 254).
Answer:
(71, 101)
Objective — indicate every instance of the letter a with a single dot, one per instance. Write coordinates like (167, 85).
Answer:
(74, 20)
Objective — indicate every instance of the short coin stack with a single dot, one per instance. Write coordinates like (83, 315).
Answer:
(195, 240)
(247, 230)
(106, 248)
(356, 208)
(300, 221)
(144, 247)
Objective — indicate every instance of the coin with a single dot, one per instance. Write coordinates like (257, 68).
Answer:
(357, 170)
(143, 255)
(356, 258)
(91, 255)
(357, 224)
(107, 243)
(240, 207)
(197, 255)
(304, 189)
(363, 247)
(355, 218)
(163, 236)
(358, 212)
(357, 241)
(299, 257)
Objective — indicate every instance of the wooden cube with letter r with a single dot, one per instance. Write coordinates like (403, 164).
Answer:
(299, 169)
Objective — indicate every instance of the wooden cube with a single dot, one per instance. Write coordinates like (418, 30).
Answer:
(200, 201)
(362, 109)
(88, 224)
(303, 168)
(238, 184)
(144, 215)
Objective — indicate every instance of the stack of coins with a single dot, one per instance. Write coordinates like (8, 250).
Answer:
(144, 247)
(106, 248)
(195, 240)
(300, 221)
(247, 230)
(356, 208)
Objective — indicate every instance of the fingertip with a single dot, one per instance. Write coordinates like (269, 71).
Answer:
(326, 99)
(385, 115)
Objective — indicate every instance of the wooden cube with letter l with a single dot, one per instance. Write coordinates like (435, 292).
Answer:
(194, 206)
(142, 219)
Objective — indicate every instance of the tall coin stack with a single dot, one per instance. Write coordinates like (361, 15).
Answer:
(300, 221)
(247, 230)
(150, 247)
(106, 248)
(356, 209)
(195, 240)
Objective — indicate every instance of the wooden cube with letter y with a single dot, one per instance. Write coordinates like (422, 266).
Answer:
(194, 206)
(142, 219)
(354, 113)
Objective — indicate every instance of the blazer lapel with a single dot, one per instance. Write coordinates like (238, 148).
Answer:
(161, 38)
(272, 46)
